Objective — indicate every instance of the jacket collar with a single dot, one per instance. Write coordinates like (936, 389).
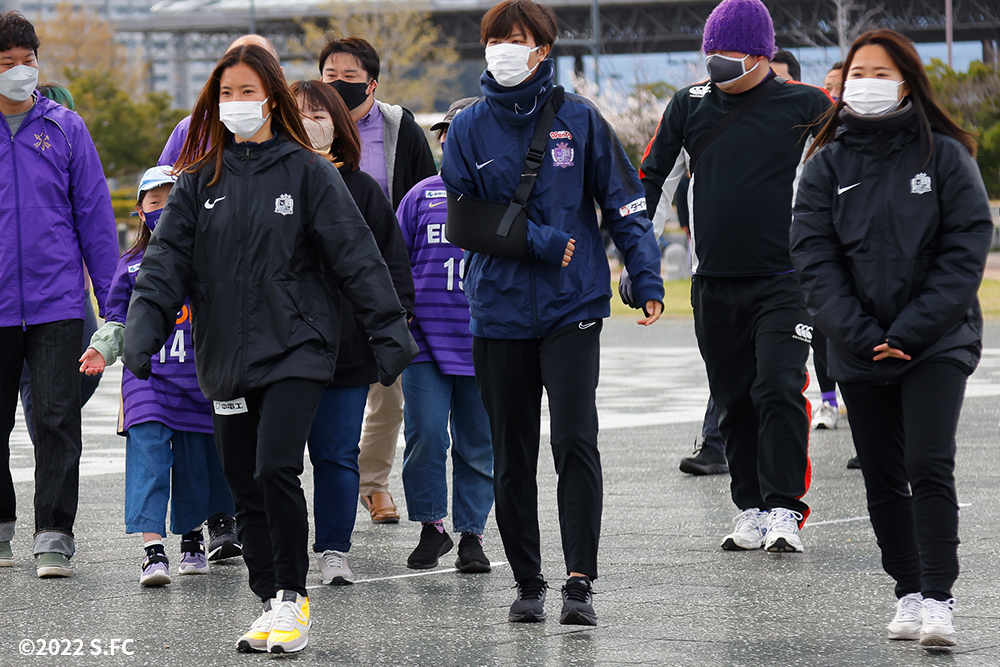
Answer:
(257, 157)
(881, 134)
(518, 104)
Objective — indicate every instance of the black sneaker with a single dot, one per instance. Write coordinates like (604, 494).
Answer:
(705, 461)
(853, 463)
(578, 602)
(529, 607)
(222, 540)
(433, 544)
(471, 558)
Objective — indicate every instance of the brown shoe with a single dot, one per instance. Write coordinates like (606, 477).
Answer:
(381, 506)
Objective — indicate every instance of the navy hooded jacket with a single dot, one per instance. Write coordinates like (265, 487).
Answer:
(584, 162)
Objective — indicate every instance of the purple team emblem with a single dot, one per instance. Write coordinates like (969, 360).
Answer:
(562, 155)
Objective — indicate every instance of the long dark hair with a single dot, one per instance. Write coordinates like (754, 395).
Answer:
(929, 112)
(346, 145)
(207, 137)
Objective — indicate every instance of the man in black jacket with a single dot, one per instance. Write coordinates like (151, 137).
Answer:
(750, 318)
(395, 153)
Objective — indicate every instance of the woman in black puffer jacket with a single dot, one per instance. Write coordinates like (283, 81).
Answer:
(890, 235)
(256, 230)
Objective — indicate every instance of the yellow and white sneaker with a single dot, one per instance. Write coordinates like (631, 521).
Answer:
(255, 639)
(291, 623)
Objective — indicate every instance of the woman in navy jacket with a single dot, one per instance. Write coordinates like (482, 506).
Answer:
(890, 235)
(536, 322)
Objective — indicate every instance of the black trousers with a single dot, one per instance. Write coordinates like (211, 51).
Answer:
(905, 437)
(262, 453)
(754, 334)
(51, 351)
(511, 375)
(826, 383)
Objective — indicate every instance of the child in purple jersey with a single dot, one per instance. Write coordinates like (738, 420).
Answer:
(440, 383)
(166, 420)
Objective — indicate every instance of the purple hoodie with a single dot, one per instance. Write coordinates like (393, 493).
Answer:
(171, 396)
(440, 323)
(55, 213)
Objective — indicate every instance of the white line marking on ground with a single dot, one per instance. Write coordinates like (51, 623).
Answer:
(495, 563)
(855, 518)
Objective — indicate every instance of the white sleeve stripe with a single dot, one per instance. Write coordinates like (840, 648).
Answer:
(667, 192)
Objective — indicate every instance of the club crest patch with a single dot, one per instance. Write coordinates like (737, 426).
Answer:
(920, 184)
(284, 204)
(562, 155)
(42, 141)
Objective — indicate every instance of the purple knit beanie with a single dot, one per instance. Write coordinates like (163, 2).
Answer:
(740, 25)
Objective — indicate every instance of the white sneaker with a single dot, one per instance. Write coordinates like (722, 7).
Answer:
(826, 417)
(291, 623)
(333, 569)
(255, 639)
(748, 531)
(907, 621)
(938, 628)
(783, 531)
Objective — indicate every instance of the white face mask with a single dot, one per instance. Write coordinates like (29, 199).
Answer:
(320, 134)
(243, 118)
(508, 63)
(872, 97)
(17, 83)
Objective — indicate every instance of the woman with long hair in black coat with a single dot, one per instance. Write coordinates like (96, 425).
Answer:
(890, 235)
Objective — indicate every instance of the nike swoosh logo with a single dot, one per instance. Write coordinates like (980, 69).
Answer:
(212, 204)
(841, 191)
(480, 166)
(587, 325)
(437, 203)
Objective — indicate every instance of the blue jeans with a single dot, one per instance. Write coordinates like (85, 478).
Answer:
(199, 485)
(333, 451)
(430, 398)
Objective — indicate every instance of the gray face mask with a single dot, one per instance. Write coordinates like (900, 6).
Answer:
(726, 69)
(17, 83)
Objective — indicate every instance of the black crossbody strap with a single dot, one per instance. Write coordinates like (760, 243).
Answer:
(533, 160)
(748, 104)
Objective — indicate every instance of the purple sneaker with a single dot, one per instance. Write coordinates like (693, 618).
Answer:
(155, 570)
(193, 559)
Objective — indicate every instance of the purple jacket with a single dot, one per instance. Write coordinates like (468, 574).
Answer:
(175, 142)
(55, 213)
(440, 323)
(171, 396)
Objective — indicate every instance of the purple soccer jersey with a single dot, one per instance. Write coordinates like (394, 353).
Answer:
(440, 322)
(171, 396)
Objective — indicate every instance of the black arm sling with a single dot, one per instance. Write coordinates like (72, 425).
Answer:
(724, 124)
(498, 228)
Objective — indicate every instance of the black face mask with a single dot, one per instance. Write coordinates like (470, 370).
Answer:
(353, 94)
(726, 69)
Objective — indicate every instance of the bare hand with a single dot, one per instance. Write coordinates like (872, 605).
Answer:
(92, 362)
(655, 309)
(568, 255)
(886, 352)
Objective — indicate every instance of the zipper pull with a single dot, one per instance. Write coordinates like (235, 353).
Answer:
(247, 157)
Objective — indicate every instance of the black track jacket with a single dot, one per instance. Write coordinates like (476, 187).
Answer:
(255, 251)
(889, 246)
(740, 196)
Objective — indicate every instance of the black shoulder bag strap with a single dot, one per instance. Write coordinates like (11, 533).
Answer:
(748, 104)
(533, 161)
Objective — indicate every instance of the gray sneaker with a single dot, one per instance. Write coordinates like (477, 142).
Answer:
(6, 555)
(52, 564)
(334, 570)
